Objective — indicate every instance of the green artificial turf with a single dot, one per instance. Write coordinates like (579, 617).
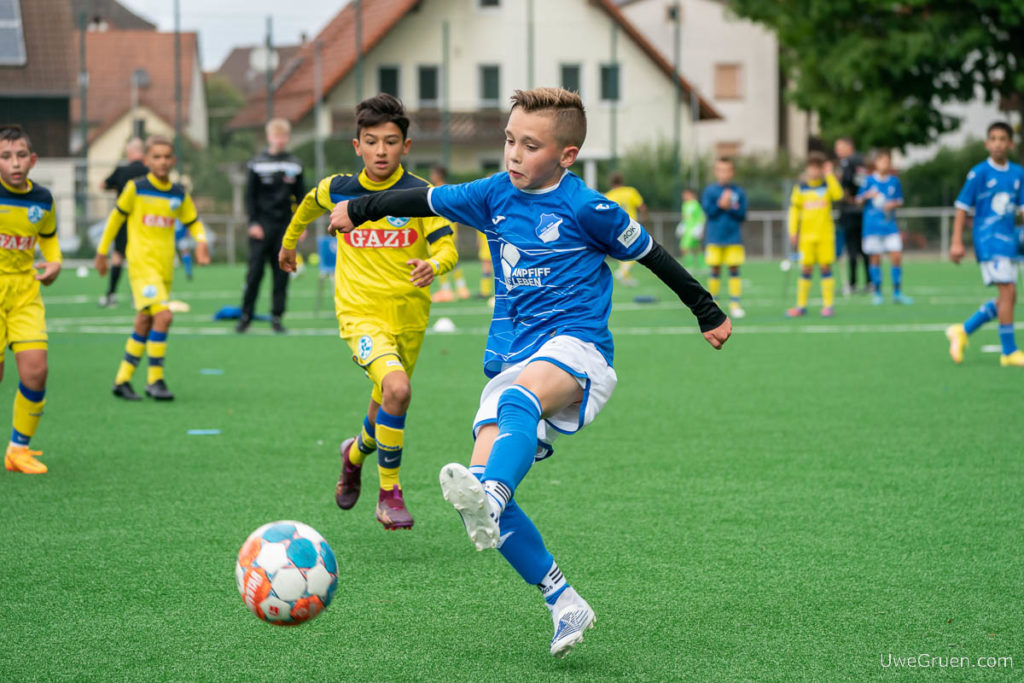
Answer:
(818, 496)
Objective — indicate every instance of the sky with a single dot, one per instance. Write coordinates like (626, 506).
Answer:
(226, 24)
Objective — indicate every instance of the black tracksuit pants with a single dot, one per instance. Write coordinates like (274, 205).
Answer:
(262, 252)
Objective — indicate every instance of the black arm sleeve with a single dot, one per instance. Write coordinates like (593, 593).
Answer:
(405, 203)
(689, 291)
(250, 195)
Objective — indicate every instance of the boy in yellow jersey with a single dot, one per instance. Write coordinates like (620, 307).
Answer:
(151, 205)
(812, 231)
(438, 177)
(26, 219)
(381, 296)
(631, 201)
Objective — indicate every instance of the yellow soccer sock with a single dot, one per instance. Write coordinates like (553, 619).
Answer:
(390, 435)
(28, 408)
(156, 349)
(364, 445)
(486, 286)
(735, 287)
(803, 290)
(828, 290)
(133, 351)
(459, 277)
(714, 286)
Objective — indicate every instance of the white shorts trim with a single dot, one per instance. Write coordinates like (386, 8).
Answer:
(580, 359)
(882, 244)
(999, 270)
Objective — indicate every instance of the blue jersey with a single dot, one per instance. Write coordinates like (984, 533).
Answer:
(994, 194)
(878, 221)
(723, 225)
(548, 248)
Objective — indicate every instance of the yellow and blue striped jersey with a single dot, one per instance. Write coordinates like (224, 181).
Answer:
(810, 208)
(151, 208)
(26, 218)
(628, 197)
(371, 278)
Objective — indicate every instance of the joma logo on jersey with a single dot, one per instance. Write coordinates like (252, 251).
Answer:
(17, 241)
(153, 220)
(372, 238)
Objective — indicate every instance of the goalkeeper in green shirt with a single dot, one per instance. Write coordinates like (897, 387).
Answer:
(690, 231)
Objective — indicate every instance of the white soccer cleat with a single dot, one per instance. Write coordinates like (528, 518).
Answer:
(466, 494)
(736, 311)
(572, 616)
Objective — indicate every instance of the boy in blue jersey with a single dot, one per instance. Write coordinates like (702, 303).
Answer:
(725, 205)
(881, 195)
(549, 350)
(994, 191)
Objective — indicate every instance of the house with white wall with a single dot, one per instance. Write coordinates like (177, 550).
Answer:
(459, 61)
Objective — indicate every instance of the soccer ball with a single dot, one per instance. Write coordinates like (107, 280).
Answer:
(286, 573)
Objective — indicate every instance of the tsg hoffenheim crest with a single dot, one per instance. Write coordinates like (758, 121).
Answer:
(547, 229)
(35, 214)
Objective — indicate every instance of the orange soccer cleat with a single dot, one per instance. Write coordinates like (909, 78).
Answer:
(23, 459)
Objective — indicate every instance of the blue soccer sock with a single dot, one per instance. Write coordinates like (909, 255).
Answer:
(186, 260)
(523, 548)
(897, 279)
(986, 312)
(875, 273)
(1006, 336)
(516, 445)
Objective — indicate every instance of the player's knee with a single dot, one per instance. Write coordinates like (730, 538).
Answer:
(396, 393)
(162, 320)
(33, 374)
(716, 271)
(826, 271)
(734, 271)
(520, 402)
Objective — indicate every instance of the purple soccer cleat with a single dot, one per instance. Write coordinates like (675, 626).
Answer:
(346, 493)
(391, 510)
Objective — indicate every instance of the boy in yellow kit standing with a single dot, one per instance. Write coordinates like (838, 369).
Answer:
(812, 231)
(26, 218)
(381, 296)
(151, 205)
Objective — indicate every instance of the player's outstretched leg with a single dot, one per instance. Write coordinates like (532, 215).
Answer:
(390, 432)
(479, 513)
(957, 334)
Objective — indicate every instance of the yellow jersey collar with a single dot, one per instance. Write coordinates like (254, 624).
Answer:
(157, 183)
(374, 186)
(15, 190)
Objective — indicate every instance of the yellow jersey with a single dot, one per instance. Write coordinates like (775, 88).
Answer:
(371, 278)
(151, 208)
(810, 208)
(26, 219)
(628, 198)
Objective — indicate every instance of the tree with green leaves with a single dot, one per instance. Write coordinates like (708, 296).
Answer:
(878, 69)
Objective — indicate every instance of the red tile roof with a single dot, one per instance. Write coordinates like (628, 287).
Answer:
(112, 56)
(50, 66)
(293, 97)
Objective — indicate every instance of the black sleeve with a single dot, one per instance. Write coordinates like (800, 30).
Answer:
(405, 203)
(111, 181)
(690, 292)
(298, 189)
(251, 183)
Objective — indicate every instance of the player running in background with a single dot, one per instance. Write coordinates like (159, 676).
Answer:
(439, 176)
(151, 205)
(725, 205)
(381, 296)
(881, 195)
(26, 219)
(690, 230)
(549, 351)
(994, 191)
(631, 201)
(813, 233)
(132, 167)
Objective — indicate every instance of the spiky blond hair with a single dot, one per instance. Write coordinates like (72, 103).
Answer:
(564, 105)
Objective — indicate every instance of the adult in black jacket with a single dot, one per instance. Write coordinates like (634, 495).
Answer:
(852, 173)
(274, 187)
(130, 168)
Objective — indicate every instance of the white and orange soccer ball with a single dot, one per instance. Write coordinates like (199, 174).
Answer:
(286, 573)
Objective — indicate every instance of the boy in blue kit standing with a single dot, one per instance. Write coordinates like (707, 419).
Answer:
(994, 191)
(549, 350)
(725, 205)
(881, 195)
